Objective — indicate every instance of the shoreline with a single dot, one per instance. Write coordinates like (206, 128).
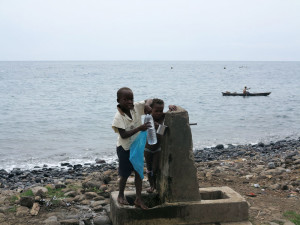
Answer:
(18, 178)
(266, 175)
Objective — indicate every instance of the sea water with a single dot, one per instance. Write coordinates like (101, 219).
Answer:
(53, 112)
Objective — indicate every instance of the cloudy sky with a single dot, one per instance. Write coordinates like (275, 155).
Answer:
(150, 30)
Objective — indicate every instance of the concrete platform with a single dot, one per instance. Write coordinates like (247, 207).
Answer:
(220, 205)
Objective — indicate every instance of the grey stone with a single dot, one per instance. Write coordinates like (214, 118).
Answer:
(52, 220)
(69, 222)
(102, 220)
(271, 165)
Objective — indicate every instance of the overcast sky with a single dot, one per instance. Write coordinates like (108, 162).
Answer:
(150, 30)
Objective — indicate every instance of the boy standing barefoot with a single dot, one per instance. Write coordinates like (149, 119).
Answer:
(127, 123)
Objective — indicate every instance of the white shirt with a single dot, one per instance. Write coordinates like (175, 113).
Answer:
(123, 121)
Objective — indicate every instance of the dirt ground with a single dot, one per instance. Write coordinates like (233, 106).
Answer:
(266, 206)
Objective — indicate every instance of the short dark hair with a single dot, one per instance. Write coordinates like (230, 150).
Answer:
(120, 91)
(156, 101)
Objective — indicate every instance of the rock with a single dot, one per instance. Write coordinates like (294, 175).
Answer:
(90, 195)
(71, 194)
(35, 209)
(260, 144)
(2, 217)
(39, 191)
(69, 222)
(284, 187)
(27, 201)
(92, 184)
(98, 208)
(250, 176)
(220, 146)
(271, 165)
(22, 211)
(102, 220)
(100, 161)
(57, 186)
(79, 198)
(52, 220)
(85, 202)
(275, 186)
(97, 203)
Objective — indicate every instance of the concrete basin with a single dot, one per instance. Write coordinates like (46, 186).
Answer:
(218, 205)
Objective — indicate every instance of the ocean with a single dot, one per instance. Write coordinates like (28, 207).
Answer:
(61, 111)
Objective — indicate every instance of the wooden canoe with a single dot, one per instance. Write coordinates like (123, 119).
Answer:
(248, 94)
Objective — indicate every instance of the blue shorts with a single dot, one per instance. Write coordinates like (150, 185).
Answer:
(125, 166)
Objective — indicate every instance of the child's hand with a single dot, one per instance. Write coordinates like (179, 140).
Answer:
(147, 109)
(145, 126)
(172, 107)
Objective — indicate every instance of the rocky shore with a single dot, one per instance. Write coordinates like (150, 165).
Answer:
(267, 175)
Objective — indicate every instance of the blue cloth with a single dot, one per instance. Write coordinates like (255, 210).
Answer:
(137, 153)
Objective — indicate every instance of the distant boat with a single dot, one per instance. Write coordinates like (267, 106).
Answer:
(248, 94)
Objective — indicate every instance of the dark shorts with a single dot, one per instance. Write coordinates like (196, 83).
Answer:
(125, 166)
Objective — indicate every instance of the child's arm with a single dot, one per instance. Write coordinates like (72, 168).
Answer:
(126, 134)
(172, 107)
(147, 107)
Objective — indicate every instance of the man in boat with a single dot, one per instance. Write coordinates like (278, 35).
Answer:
(245, 92)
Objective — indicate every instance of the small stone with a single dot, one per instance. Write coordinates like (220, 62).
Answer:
(22, 211)
(220, 146)
(97, 203)
(71, 194)
(85, 202)
(69, 222)
(275, 186)
(271, 165)
(35, 209)
(260, 144)
(90, 195)
(51, 221)
(57, 186)
(100, 161)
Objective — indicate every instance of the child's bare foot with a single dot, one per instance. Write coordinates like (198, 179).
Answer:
(139, 203)
(122, 200)
(150, 190)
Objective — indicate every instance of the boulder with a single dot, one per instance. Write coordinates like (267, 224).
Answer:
(27, 201)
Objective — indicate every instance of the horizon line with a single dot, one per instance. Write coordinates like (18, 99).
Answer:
(136, 60)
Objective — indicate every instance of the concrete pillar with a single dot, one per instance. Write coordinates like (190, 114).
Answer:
(177, 179)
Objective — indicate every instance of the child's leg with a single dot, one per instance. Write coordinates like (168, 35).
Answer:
(125, 169)
(121, 196)
(149, 159)
(138, 185)
(155, 166)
